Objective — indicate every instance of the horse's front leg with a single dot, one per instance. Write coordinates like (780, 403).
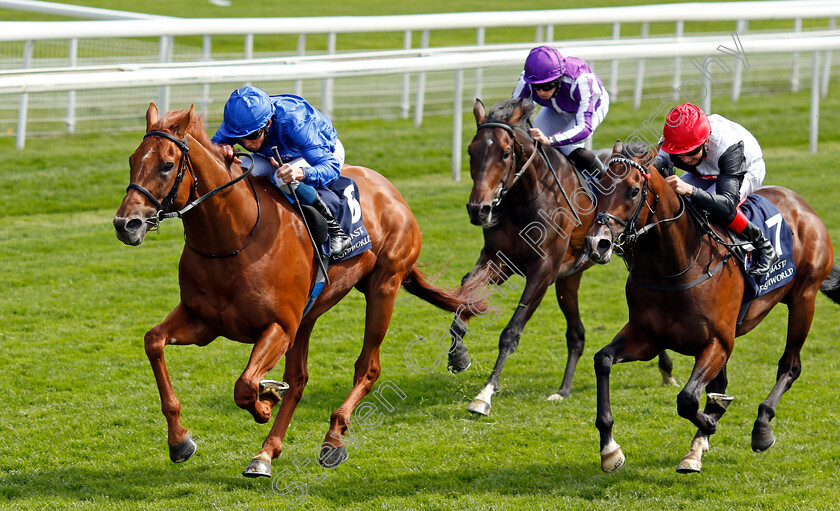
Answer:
(707, 368)
(267, 351)
(179, 327)
(716, 403)
(537, 280)
(567, 297)
(296, 376)
(627, 346)
(489, 271)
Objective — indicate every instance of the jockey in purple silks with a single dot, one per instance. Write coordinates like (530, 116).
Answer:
(574, 103)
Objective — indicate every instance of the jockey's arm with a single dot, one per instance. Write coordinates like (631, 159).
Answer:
(583, 117)
(723, 204)
(325, 167)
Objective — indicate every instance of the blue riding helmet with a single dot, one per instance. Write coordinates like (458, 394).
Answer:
(247, 110)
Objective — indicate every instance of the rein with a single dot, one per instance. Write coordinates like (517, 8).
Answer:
(185, 163)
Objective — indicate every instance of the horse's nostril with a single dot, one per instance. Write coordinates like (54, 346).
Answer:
(485, 211)
(604, 244)
(133, 225)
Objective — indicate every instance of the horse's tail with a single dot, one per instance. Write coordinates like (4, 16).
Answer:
(831, 286)
(468, 300)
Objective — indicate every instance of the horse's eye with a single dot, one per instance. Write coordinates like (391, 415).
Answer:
(507, 153)
(167, 166)
(634, 192)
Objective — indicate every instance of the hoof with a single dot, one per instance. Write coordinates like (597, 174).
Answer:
(689, 466)
(612, 461)
(459, 364)
(762, 439)
(273, 388)
(257, 468)
(556, 397)
(479, 406)
(670, 381)
(182, 451)
(331, 456)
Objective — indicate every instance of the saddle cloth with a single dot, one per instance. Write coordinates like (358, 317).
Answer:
(764, 214)
(342, 198)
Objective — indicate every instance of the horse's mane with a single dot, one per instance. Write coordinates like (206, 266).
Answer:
(635, 148)
(503, 110)
(170, 120)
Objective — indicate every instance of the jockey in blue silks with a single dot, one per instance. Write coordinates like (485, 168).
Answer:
(306, 139)
(573, 100)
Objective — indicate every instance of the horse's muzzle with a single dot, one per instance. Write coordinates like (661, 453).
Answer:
(599, 246)
(480, 214)
(130, 231)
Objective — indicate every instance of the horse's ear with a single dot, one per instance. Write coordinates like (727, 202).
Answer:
(151, 116)
(479, 112)
(618, 148)
(184, 123)
(517, 112)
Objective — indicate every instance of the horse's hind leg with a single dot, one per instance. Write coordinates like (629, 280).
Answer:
(666, 368)
(716, 403)
(296, 376)
(800, 315)
(381, 293)
(180, 327)
(567, 298)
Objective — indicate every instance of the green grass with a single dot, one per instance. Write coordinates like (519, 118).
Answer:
(80, 421)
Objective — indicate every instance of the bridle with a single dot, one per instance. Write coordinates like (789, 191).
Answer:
(503, 187)
(631, 233)
(185, 164)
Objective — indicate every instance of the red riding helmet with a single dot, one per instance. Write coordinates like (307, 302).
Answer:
(544, 64)
(686, 129)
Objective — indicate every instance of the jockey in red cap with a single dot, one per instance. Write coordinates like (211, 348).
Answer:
(723, 165)
(574, 102)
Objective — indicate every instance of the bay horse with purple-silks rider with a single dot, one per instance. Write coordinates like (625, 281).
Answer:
(246, 273)
(515, 190)
(684, 293)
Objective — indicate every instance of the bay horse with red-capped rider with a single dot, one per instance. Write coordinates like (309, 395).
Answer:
(247, 270)
(684, 293)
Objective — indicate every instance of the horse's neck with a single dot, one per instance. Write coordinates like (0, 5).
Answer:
(671, 246)
(227, 218)
(538, 179)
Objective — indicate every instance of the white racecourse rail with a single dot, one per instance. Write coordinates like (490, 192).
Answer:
(331, 66)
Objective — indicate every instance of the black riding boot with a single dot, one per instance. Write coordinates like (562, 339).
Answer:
(764, 252)
(597, 169)
(339, 241)
(586, 160)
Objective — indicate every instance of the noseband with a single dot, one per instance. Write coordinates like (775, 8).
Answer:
(503, 190)
(185, 163)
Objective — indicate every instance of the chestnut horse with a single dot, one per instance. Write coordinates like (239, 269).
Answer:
(534, 220)
(247, 269)
(684, 294)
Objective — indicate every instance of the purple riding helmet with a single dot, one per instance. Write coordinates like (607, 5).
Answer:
(544, 64)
